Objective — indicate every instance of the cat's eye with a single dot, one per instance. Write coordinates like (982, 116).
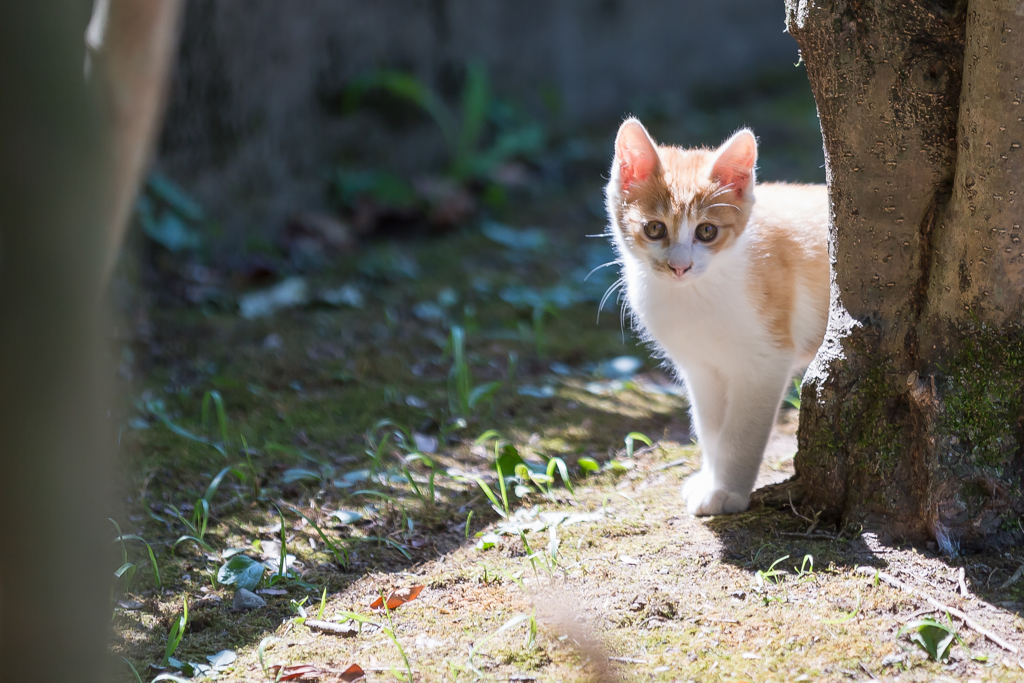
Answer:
(655, 230)
(706, 232)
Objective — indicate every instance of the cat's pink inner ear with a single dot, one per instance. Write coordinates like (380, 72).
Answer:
(635, 153)
(734, 165)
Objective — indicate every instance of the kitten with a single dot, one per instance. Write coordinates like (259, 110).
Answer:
(733, 292)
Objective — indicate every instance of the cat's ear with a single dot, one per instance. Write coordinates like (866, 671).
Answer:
(735, 160)
(636, 158)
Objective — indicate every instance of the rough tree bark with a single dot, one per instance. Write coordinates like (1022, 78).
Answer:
(913, 412)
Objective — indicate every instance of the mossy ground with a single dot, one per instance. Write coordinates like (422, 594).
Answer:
(665, 596)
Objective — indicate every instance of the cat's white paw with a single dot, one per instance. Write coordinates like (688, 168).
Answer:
(704, 498)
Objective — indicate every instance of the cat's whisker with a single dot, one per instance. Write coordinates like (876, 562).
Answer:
(622, 318)
(722, 190)
(725, 204)
(603, 265)
(607, 293)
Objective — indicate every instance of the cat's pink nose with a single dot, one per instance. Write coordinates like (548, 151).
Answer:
(680, 272)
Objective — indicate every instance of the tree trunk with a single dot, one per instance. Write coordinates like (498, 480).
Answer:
(913, 411)
(70, 157)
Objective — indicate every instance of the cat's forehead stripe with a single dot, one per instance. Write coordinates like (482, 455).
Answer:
(686, 176)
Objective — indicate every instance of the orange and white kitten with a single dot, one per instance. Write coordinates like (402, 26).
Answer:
(733, 291)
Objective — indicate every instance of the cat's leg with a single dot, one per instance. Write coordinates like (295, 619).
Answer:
(707, 390)
(727, 477)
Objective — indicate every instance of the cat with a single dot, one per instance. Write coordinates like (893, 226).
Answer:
(733, 292)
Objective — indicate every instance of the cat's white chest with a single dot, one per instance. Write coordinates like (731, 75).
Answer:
(710, 321)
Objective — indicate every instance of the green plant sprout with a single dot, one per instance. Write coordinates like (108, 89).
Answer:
(389, 631)
(633, 437)
(121, 538)
(135, 671)
(197, 523)
(176, 633)
(806, 571)
(771, 575)
(529, 476)
(298, 607)
(463, 397)
(127, 569)
(217, 400)
(155, 407)
(323, 605)
(502, 507)
(377, 440)
(428, 499)
(261, 652)
(933, 636)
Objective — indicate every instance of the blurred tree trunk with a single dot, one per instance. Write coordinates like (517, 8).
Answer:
(54, 173)
(71, 151)
(913, 411)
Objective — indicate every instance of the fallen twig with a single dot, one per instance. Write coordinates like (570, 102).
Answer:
(868, 671)
(960, 575)
(970, 623)
(643, 451)
(812, 522)
(1013, 579)
(628, 660)
(346, 630)
(668, 465)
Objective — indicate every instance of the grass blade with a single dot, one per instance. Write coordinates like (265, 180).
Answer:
(340, 556)
(222, 418)
(192, 539)
(391, 542)
(152, 556)
(211, 490)
(510, 624)
(176, 633)
(134, 670)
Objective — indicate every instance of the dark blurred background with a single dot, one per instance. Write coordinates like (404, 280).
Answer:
(281, 109)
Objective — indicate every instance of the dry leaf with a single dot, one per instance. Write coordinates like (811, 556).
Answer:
(398, 598)
(352, 673)
(295, 672)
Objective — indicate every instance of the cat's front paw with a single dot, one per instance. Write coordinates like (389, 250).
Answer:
(704, 498)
